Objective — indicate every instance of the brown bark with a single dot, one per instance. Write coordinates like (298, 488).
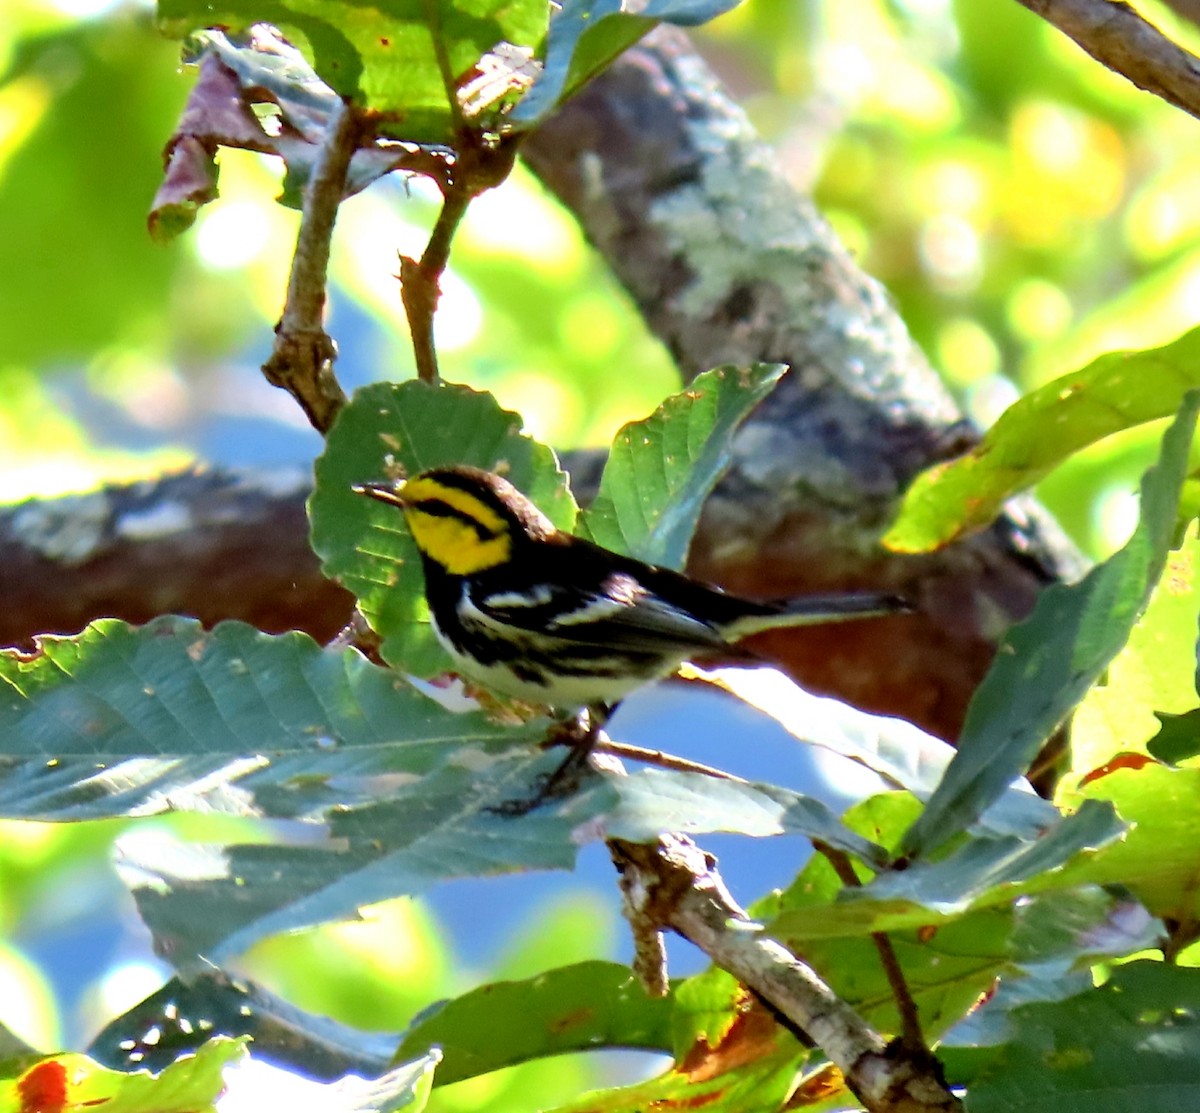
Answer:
(1119, 38)
(729, 263)
(211, 545)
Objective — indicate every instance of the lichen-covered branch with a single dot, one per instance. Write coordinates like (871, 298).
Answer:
(1125, 42)
(675, 885)
(729, 263)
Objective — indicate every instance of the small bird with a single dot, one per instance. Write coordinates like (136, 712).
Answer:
(530, 611)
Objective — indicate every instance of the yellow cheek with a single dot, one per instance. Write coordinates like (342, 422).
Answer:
(455, 545)
(424, 488)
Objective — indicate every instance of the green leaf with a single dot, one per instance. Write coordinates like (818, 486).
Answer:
(970, 1046)
(397, 834)
(1084, 926)
(396, 793)
(901, 753)
(1151, 680)
(388, 836)
(1035, 434)
(982, 869)
(191, 1084)
(981, 873)
(587, 35)
(573, 1008)
(383, 58)
(1133, 1043)
(656, 800)
(1159, 858)
(948, 960)
(389, 429)
(180, 1016)
(1046, 664)
(947, 969)
(1178, 736)
(661, 469)
(134, 720)
(731, 1055)
(761, 1085)
(1056, 939)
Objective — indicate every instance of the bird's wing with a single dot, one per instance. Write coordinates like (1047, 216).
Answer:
(617, 611)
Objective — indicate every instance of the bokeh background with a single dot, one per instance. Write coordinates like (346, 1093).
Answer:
(1027, 210)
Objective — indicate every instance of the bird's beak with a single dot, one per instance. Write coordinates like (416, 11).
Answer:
(391, 493)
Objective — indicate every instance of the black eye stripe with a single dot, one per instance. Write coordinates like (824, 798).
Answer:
(436, 508)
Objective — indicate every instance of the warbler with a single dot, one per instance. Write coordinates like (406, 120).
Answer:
(528, 610)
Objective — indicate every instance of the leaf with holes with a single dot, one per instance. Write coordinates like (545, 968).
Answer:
(124, 720)
(408, 63)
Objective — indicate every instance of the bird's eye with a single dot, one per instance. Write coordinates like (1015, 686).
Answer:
(437, 508)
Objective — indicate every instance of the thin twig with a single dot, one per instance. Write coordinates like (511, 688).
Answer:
(482, 160)
(1119, 38)
(910, 1017)
(661, 759)
(301, 361)
(420, 282)
(673, 884)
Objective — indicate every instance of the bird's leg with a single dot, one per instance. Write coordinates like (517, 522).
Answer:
(583, 731)
(579, 734)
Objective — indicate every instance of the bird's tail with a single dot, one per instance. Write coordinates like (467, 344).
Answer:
(812, 610)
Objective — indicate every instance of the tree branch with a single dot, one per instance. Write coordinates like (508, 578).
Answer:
(211, 544)
(301, 361)
(1126, 43)
(728, 263)
(674, 884)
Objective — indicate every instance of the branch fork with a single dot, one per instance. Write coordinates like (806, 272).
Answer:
(673, 884)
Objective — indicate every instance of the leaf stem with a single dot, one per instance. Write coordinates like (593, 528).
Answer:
(660, 759)
(910, 1018)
